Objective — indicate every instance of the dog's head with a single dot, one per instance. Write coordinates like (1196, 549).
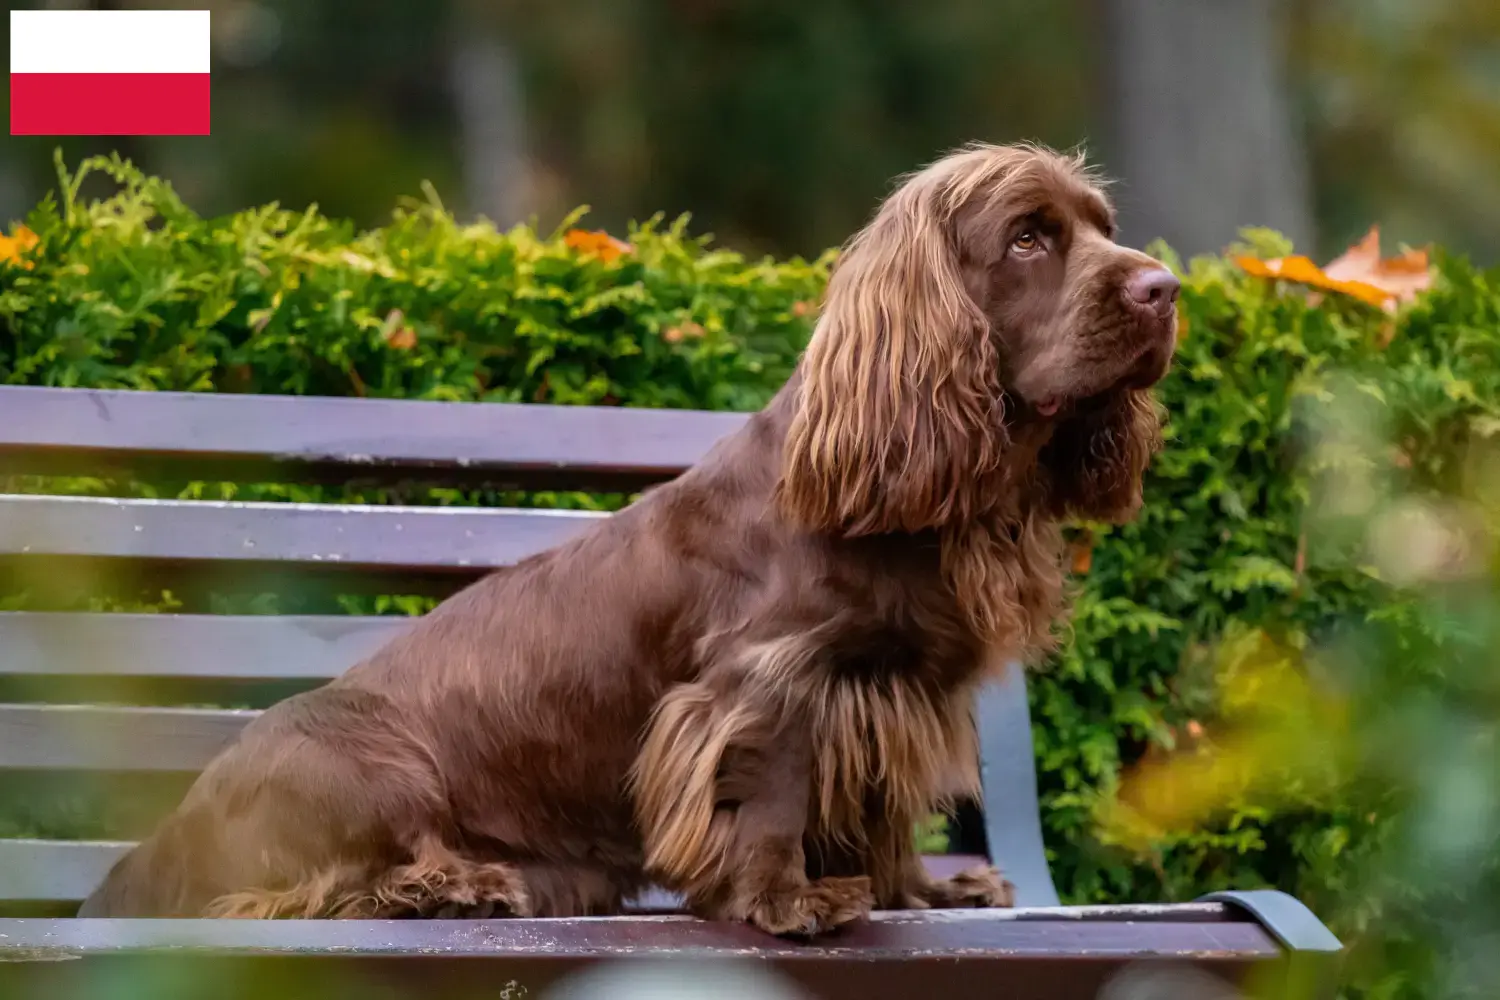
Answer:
(983, 326)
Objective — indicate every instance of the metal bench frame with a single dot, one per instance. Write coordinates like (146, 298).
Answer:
(1039, 949)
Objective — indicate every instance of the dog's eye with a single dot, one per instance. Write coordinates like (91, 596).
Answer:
(1027, 242)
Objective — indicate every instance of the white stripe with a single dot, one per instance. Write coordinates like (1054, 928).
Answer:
(109, 41)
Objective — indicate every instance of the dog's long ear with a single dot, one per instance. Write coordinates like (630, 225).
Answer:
(1096, 462)
(898, 422)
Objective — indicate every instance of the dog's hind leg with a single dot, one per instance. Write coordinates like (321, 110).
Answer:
(436, 882)
(439, 882)
(311, 899)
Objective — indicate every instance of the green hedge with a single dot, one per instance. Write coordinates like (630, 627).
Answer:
(1238, 538)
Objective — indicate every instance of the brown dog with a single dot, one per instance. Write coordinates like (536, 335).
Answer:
(751, 685)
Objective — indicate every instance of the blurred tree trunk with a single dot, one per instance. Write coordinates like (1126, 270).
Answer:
(1201, 135)
(485, 78)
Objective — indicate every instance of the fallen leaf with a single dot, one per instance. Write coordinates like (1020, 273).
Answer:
(1360, 272)
(603, 245)
(1403, 276)
(1304, 271)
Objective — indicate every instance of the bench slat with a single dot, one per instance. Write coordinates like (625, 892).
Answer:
(210, 436)
(342, 535)
(1184, 930)
(206, 647)
(94, 738)
(55, 871)
(66, 871)
(1021, 956)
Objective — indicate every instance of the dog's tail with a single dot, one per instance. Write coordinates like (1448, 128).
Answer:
(156, 878)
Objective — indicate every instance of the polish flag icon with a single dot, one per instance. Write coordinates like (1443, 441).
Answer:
(109, 72)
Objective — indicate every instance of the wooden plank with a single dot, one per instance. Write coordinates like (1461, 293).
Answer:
(355, 537)
(209, 436)
(55, 871)
(91, 738)
(1020, 955)
(209, 647)
(101, 738)
(1181, 930)
(66, 871)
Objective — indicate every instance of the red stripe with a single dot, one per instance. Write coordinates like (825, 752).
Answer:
(109, 104)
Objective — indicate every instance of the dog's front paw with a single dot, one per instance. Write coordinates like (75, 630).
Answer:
(815, 908)
(980, 887)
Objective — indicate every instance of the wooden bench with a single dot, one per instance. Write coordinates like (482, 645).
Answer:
(129, 755)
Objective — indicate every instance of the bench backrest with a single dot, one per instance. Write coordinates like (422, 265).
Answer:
(97, 722)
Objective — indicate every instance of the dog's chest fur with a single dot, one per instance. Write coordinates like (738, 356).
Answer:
(891, 748)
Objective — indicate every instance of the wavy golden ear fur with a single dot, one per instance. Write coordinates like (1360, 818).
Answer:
(898, 426)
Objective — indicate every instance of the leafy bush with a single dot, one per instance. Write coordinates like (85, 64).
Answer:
(1246, 631)
(138, 292)
(1280, 655)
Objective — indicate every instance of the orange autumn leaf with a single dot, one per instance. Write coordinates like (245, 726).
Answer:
(1081, 553)
(14, 245)
(674, 334)
(397, 333)
(1360, 272)
(1303, 270)
(1403, 276)
(605, 246)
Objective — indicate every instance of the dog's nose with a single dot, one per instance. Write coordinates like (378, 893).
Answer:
(1155, 288)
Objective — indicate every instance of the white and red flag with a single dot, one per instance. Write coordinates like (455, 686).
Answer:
(109, 72)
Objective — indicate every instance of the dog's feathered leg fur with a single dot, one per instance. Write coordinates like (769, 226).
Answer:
(724, 786)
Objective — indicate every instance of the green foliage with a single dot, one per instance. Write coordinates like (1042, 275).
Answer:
(1297, 431)
(138, 292)
(1245, 532)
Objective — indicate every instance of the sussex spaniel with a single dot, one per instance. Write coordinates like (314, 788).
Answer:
(750, 685)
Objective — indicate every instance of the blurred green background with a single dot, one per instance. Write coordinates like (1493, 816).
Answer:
(779, 123)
